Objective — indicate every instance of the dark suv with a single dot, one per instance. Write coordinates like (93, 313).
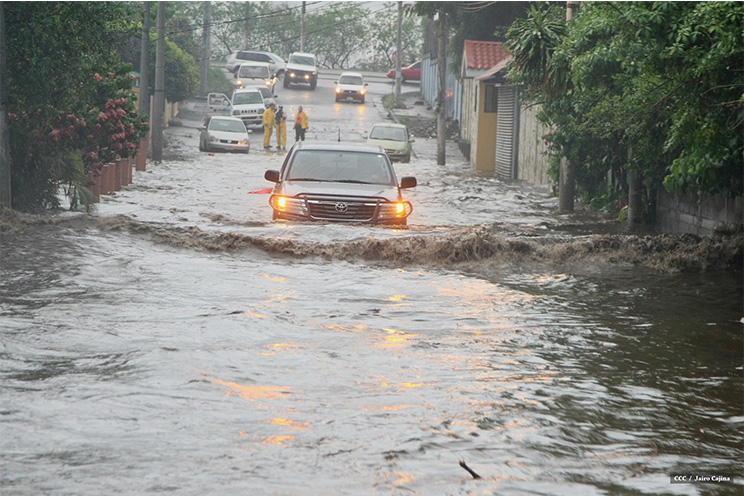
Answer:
(339, 182)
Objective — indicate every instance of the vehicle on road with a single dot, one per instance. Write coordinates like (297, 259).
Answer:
(301, 68)
(412, 72)
(276, 63)
(351, 86)
(218, 104)
(393, 138)
(249, 106)
(254, 73)
(339, 182)
(268, 96)
(226, 134)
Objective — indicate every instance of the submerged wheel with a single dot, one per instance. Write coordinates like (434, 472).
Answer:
(286, 82)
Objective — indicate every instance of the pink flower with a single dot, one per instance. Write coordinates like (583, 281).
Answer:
(98, 77)
(111, 75)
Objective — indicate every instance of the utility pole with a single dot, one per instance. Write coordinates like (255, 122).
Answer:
(144, 102)
(302, 30)
(398, 74)
(247, 26)
(205, 48)
(159, 110)
(441, 90)
(5, 197)
(567, 176)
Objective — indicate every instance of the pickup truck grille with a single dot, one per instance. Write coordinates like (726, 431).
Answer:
(342, 209)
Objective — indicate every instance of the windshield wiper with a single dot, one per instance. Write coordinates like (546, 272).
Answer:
(306, 179)
(356, 181)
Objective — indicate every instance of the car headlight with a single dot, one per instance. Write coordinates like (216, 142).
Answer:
(236, 112)
(243, 142)
(292, 75)
(288, 205)
(338, 90)
(212, 138)
(396, 210)
(239, 82)
(307, 76)
(362, 91)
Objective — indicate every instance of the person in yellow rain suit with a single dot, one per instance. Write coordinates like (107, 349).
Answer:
(269, 121)
(281, 129)
(301, 124)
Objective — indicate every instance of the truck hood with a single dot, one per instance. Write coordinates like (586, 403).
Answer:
(388, 144)
(296, 188)
(300, 67)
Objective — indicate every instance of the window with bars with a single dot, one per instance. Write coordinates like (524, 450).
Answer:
(491, 100)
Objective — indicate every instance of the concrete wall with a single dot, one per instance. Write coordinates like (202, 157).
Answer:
(697, 214)
(532, 161)
(468, 124)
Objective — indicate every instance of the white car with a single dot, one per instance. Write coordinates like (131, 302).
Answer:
(248, 105)
(276, 63)
(218, 104)
(351, 86)
(227, 134)
(254, 73)
(393, 138)
(268, 96)
(301, 68)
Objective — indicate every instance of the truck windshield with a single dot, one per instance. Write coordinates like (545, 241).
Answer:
(253, 72)
(247, 98)
(340, 166)
(302, 59)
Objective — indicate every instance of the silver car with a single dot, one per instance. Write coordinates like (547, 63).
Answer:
(393, 138)
(227, 134)
(339, 182)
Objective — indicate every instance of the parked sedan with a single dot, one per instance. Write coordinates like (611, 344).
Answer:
(351, 86)
(412, 72)
(227, 134)
(393, 138)
(339, 182)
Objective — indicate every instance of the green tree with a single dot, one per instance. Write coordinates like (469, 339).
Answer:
(70, 100)
(648, 89)
(383, 30)
(181, 72)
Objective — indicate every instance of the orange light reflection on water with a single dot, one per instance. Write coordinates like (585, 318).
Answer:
(291, 424)
(395, 338)
(251, 393)
(279, 440)
(275, 348)
(275, 279)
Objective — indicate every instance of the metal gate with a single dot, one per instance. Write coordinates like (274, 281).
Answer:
(507, 125)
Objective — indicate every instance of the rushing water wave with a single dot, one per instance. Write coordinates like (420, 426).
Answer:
(665, 252)
(661, 252)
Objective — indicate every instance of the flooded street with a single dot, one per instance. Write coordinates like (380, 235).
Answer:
(180, 341)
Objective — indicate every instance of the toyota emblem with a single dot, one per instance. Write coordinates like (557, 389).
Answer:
(341, 207)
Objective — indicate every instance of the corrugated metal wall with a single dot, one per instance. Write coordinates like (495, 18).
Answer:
(429, 84)
(506, 133)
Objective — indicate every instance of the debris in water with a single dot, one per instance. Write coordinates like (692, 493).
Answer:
(470, 471)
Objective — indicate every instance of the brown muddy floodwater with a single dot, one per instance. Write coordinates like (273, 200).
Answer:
(180, 342)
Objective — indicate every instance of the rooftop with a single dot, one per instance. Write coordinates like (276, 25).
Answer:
(483, 54)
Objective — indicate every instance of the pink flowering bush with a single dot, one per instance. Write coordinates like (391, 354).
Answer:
(56, 146)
